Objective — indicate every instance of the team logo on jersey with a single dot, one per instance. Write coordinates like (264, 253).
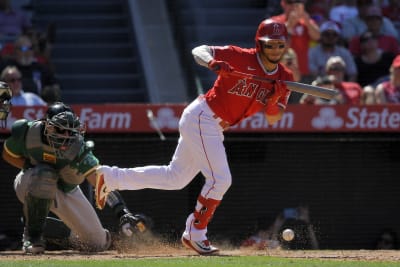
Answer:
(251, 90)
(49, 158)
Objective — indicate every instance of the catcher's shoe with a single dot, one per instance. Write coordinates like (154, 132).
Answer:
(101, 191)
(202, 247)
(33, 245)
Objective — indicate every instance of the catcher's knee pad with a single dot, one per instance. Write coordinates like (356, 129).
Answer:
(43, 182)
(204, 212)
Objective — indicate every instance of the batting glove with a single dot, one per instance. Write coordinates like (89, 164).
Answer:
(279, 91)
(220, 67)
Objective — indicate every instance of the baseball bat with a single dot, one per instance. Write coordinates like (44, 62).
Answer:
(155, 125)
(294, 86)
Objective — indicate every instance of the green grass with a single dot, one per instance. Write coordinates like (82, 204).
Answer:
(231, 261)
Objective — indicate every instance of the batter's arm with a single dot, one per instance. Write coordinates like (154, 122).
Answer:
(273, 118)
(203, 55)
(276, 104)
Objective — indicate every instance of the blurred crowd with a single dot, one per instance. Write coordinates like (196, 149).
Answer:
(25, 56)
(349, 45)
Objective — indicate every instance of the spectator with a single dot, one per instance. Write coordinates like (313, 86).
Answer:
(273, 8)
(357, 25)
(373, 63)
(374, 22)
(327, 81)
(351, 91)
(290, 60)
(392, 12)
(42, 45)
(342, 10)
(51, 94)
(318, 10)
(13, 22)
(35, 75)
(328, 46)
(12, 76)
(389, 91)
(302, 30)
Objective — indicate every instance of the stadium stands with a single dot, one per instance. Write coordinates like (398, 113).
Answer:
(95, 54)
(215, 23)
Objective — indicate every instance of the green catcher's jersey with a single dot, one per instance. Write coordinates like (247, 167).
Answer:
(26, 141)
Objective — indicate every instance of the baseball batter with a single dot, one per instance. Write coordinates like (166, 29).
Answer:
(200, 147)
(54, 159)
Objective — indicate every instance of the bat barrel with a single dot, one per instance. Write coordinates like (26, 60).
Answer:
(312, 90)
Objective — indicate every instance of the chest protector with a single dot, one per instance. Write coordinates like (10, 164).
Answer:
(68, 166)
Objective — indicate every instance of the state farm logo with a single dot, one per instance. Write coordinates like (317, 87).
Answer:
(358, 117)
(327, 119)
(165, 118)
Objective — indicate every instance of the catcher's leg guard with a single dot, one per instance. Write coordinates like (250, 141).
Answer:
(35, 212)
(204, 211)
(37, 202)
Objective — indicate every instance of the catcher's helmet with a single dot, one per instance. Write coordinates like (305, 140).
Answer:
(270, 30)
(5, 103)
(57, 108)
(62, 130)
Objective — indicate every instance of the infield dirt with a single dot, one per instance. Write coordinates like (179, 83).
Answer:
(175, 250)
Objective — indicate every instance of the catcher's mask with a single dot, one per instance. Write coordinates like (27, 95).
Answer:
(62, 130)
(5, 103)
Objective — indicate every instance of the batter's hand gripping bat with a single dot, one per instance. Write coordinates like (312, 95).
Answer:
(293, 86)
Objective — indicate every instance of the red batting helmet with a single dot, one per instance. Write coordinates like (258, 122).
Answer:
(270, 30)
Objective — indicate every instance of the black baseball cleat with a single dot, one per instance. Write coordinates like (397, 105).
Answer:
(33, 245)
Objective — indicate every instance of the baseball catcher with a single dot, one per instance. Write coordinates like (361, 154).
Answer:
(54, 160)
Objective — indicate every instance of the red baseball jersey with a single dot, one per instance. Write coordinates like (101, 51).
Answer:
(233, 98)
